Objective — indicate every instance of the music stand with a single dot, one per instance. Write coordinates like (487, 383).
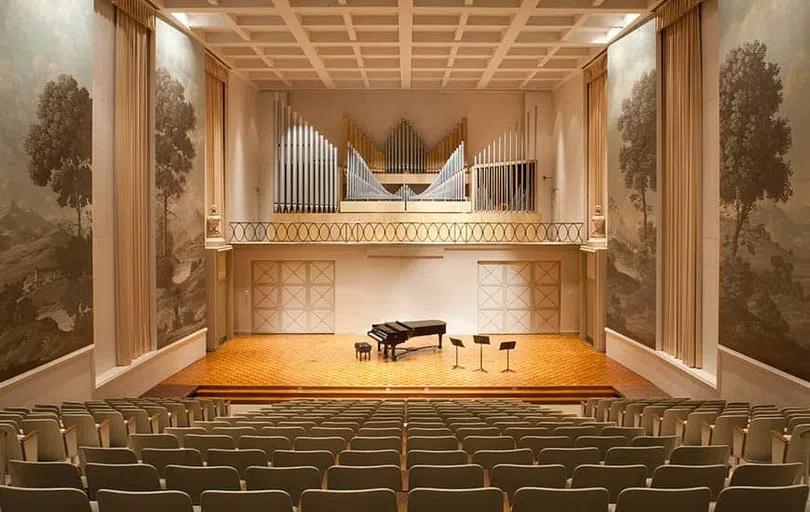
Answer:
(481, 341)
(508, 346)
(457, 343)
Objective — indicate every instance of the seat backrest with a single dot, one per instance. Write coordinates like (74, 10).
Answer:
(289, 432)
(766, 475)
(347, 478)
(671, 476)
(121, 477)
(375, 500)
(469, 500)
(602, 443)
(435, 458)
(181, 432)
(532, 499)
(320, 459)
(369, 458)
(628, 432)
(465, 432)
(118, 429)
(13, 449)
(518, 433)
(50, 443)
(784, 499)
(346, 433)
(159, 501)
(430, 432)
(668, 443)
(141, 441)
(645, 500)
(575, 432)
(510, 477)
(758, 440)
(267, 444)
(669, 418)
(568, 457)
(429, 443)
(488, 459)
(649, 456)
(234, 432)
(194, 480)
(464, 476)
(109, 455)
(208, 442)
(799, 444)
(86, 430)
(377, 443)
(333, 445)
(473, 444)
(240, 460)
(44, 474)
(162, 457)
(700, 455)
(14, 499)
(538, 443)
(245, 501)
(694, 424)
(613, 478)
(292, 480)
(723, 432)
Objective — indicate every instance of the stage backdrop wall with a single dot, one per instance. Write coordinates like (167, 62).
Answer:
(765, 182)
(632, 192)
(179, 184)
(46, 301)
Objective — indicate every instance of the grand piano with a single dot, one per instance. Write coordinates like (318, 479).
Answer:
(391, 334)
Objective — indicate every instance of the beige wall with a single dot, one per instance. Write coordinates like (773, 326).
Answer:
(568, 151)
(243, 164)
(378, 284)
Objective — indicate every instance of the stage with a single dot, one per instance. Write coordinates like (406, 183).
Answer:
(548, 368)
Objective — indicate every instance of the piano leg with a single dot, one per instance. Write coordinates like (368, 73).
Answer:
(393, 352)
(440, 340)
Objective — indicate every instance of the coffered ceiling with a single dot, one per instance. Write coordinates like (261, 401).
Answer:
(392, 44)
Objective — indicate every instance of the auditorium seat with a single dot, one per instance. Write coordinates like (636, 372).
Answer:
(568, 457)
(353, 425)
(766, 475)
(431, 443)
(369, 458)
(650, 457)
(628, 433)
(181, 432)
(752, 499)
(466, 476)
(209, 426)
(140, 441)
(121, 477)
(430, 432)
(533, 499)
(162, 457)
(375, 500)
(488, 459)
(435, 458)
(348, 478)
(574, 432)
(13, 499)
(44, 474)
(377, 424)
(668, 443)
(755, 445)
(690, 429)
(455, 500)
(240, 460)
(292, 480)
(613, 478)
(289, 432)
(298, 422)
(472, 444)
(53, 444)
(119, 426)
(683, 477)
(511, 477)
(694, 499)
(108, 455)
(268, 444)
(159, 501)
(320, 459)
(700, 455)
(207, 442)
(465, 432)
(518, 433)
(602, 443)
(333, 445)
(538, 443)
(246, 501)
(194, 480)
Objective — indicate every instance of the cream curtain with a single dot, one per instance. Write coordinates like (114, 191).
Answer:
(215, 80)
(133, 155)
(596, 77)
(681, 179)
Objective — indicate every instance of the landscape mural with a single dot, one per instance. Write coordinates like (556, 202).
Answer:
(179, 185)
(46, 299)
(765, 181)
(632, 192)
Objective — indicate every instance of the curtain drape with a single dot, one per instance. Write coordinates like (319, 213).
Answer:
(596, 77)
(681, 181)
(215, 78)
(133, 155)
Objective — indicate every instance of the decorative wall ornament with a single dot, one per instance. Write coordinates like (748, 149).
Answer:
(214, 223)
(598, 222)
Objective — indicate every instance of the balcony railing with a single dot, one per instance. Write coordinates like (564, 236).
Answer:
(553, 233)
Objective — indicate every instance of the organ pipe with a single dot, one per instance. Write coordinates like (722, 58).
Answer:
(306, 173)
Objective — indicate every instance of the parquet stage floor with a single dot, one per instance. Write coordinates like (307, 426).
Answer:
(255, 364)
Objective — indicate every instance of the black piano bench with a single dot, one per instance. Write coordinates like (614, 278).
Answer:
(362, 349)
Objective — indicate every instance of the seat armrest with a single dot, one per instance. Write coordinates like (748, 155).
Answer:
(637, 419)
(130, 426)
(71, 442)
(706, 431)
(738, 443)
(680, 428)
(104, 433)
(779, 445)
(657, 422)
(582, 406)
(227, 408)
(29, 443)
(173, 420)
(154, 423)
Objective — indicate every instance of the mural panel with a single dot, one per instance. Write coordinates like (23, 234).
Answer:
(765, 181)
(179, 185)
(46, 299)
(632, 192)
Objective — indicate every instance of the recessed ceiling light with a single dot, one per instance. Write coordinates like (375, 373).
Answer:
(616, 30)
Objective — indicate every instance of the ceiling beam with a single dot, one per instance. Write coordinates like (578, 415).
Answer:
(517, 24)
(405, 41)
(301, 37)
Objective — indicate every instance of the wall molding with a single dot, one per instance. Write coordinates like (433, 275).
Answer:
(33, 373)
(745, 378)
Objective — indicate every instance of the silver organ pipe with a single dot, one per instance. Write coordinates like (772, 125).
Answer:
(306, 165)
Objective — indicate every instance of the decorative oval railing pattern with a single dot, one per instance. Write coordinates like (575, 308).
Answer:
(406, 232)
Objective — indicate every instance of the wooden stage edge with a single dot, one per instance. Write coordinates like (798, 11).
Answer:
(538, 394)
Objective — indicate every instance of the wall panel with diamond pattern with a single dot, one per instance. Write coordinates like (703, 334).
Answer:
(293, 296)
(518, 297)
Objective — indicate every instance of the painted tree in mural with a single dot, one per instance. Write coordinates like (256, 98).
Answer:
(637, 125)
(175, 118)
(755, 138)
(59, 144)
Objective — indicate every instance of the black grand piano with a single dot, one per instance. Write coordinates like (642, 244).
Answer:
(394, 333)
